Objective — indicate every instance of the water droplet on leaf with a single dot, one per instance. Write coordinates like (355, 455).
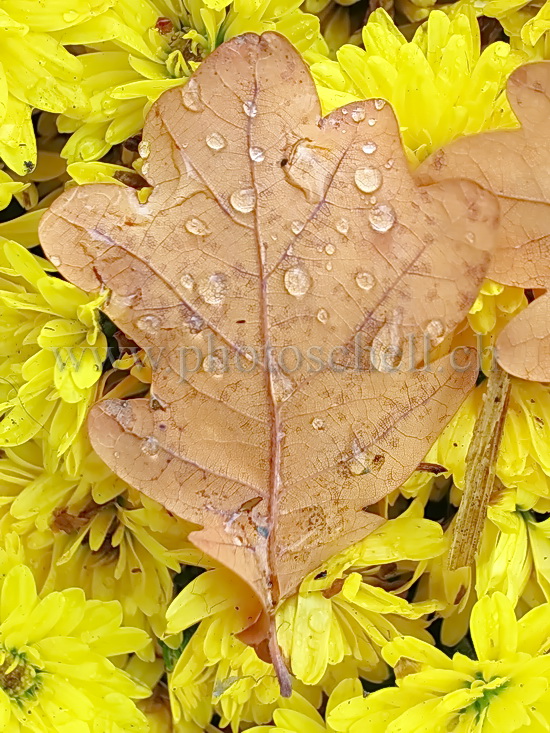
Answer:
(342, 226)
(369, 148)
(191, 96)
(197, 226)
(297, 281)
(250, 108)
(187, 281)
(150, 446)
(382, 217)
(213, 289)
(243, 200)
(317, 423)
(322, 315)
(144, 149)
(365, 280)
(368, 179)
(257, 155)
(297, 227)
(436, 331)
(215, 141)
(150, 324)
(330, 249)
(379, 104)
(358, 114)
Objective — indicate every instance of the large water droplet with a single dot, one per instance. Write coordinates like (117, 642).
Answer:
(382, 217)
(317, 423)
(358, 114)
(243, 200)
(191, 96)
(342, 226)
(150, 323)
(322, 315)
(187, 281)
(369, 148)
(257, 155)
(150, 446)
(297, 281)
(197, 226)
(365, 280)
(297, 227)
(250, 108)
(215, 141)
(213, 289)
(368, 180)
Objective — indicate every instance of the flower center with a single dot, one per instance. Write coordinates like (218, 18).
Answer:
(491, 689)
(18, 677)
(175, 38)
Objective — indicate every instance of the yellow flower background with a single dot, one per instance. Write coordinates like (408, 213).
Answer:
(110, 620)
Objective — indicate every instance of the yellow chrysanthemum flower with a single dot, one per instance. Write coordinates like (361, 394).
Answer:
(523, 463)
(298, 715)
(93, 531)
(55, 672)
(9, 188)
(342, 616)
(507, 688)
(36, 71)
(144, 47)
(512, 559)
(52, 350)
(440, 84)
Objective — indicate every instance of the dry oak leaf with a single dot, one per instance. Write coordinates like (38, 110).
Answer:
(270, 227)
(515, 166)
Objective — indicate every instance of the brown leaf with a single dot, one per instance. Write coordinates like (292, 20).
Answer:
(514, 165)
(269, 227)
